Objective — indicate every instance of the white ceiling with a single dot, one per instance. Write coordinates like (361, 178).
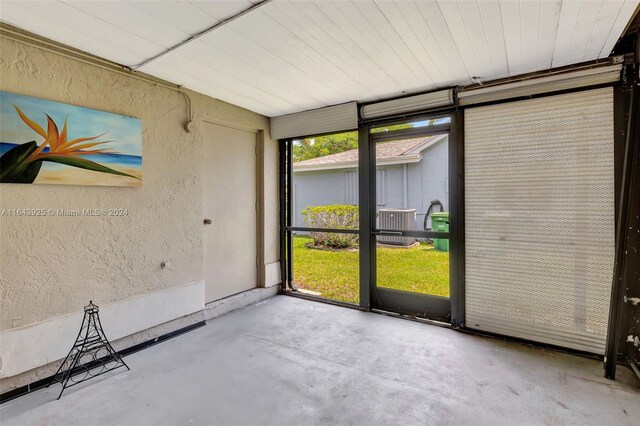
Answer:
(290, 56)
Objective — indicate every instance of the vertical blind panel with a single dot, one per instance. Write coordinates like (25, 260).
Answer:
(539, 218)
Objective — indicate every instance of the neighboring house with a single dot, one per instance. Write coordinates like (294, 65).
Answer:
(409, 174)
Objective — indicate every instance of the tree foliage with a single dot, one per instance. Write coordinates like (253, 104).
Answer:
(319, 146)
(305, 149)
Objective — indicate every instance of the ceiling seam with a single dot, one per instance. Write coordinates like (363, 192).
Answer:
(370, 71)
(486, 37)
(365, 54)
(318, 52)
(573, 35)
(504, 40)
(404, 42)
(283, 81)
(470, 38)
(202, 33)
(377, 28)
(337, 60)
(555, 38)
(539, 35)
(76, 32)
(436, 41)
(112, 24)
(267, 48)
(598, 16)
(412, 30)
(611, 30)
(455, 43)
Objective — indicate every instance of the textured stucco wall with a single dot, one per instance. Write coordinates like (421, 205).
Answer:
(51, 266)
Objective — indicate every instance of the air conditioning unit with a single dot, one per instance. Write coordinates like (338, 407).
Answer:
(400, 219)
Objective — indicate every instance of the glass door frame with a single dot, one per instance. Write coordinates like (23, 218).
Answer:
(451, 309)
(287, 229)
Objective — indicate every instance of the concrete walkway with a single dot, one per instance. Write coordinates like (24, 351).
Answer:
(288, 361)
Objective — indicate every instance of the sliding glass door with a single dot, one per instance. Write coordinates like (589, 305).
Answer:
(370, 217)
(410, 217)
(324, 217)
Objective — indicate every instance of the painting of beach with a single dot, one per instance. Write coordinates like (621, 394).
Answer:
(47, 142)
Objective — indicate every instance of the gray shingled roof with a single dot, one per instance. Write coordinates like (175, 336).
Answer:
(384, 151)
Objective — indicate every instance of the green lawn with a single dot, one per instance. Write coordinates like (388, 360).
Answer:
(334, 274)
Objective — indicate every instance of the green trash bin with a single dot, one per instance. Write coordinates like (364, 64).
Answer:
(440, 223)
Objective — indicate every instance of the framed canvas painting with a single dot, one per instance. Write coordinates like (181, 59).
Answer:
(47, 142)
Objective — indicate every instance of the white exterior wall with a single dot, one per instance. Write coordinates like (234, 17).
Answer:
(426, 180)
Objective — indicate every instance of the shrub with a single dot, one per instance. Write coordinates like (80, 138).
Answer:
(338, 216)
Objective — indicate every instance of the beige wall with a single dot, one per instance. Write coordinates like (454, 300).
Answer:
(52, 266)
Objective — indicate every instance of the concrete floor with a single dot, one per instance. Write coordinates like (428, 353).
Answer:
(290, 361)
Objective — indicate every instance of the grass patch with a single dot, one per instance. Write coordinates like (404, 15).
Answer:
(334, 274)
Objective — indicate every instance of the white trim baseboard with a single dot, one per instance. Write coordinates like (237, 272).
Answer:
(31, 346)
(237, 301)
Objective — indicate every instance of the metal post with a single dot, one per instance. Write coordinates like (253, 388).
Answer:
(282, 194)
(613, 329)
(289, 149)
(366, 174)
(456, 207)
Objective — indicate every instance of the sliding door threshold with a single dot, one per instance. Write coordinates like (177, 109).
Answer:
(412, 318)
(314, 298)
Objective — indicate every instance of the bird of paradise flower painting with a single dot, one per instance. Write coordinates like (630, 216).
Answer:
(47, 142)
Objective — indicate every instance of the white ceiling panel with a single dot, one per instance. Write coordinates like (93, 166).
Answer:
(65, 24)
(289, 56)
(222, 9)
(125, 18)
(491, 17)
(335, 30)
(626, 12)
(181, 15)
(202, 77)
(126, 32)
(547, 32)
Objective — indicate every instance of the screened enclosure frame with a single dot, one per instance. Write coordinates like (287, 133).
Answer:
(622, 90)
(287, 229)
(448, 309)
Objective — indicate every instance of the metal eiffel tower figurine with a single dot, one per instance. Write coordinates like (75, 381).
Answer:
(91, 355)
